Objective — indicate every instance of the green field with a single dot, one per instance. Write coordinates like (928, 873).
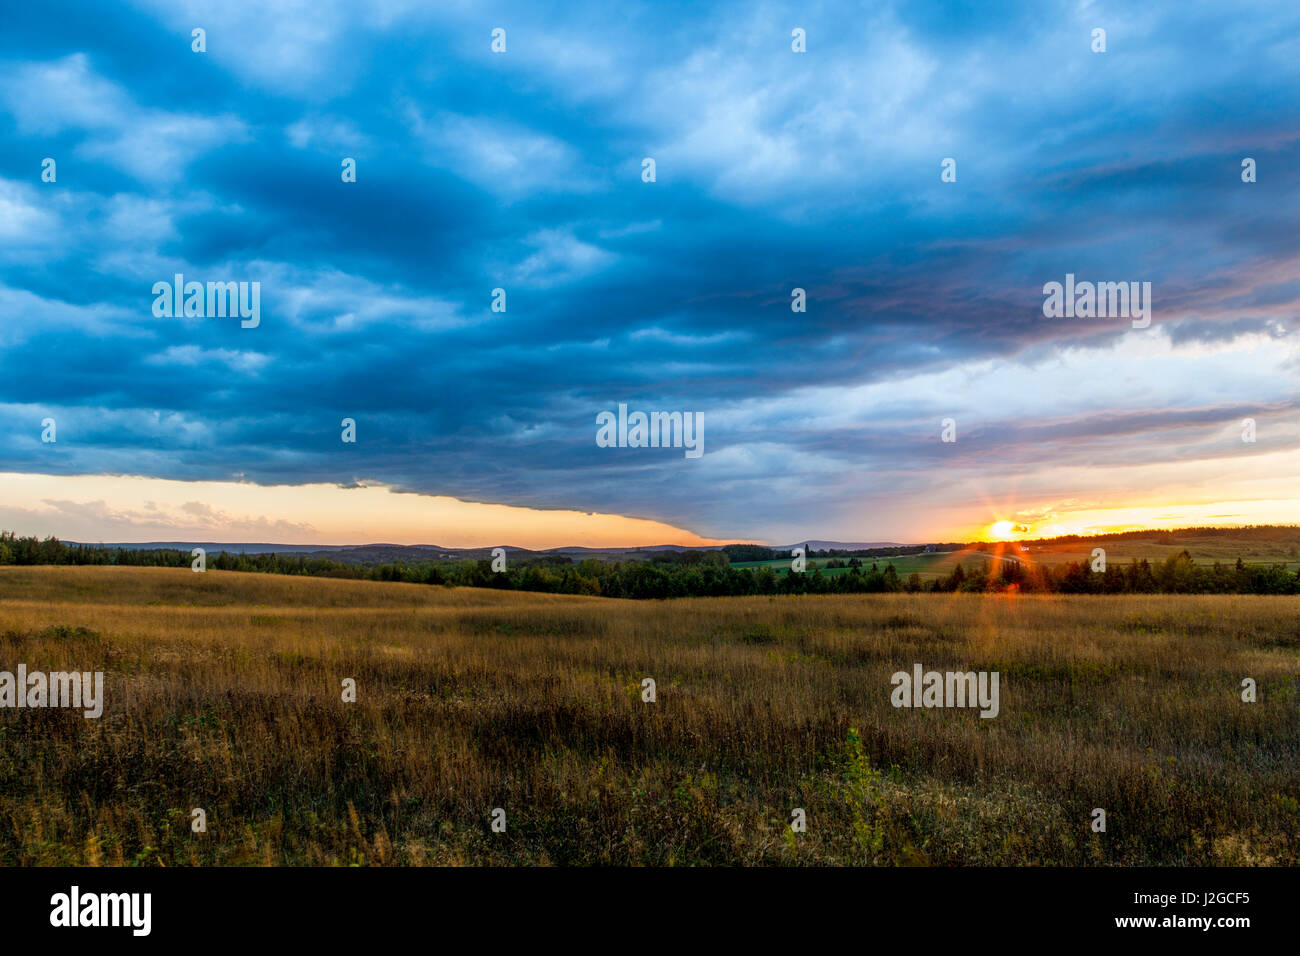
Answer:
(926, 565)
(1282, 547)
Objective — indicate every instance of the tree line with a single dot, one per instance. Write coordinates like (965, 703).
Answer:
(700, 574)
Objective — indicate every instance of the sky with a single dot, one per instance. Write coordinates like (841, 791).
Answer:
(523, 170)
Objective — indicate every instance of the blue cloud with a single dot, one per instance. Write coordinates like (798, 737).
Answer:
(522, 171)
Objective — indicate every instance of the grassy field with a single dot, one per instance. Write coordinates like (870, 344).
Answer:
(1155, 548)
(223, 692)
(926, 565)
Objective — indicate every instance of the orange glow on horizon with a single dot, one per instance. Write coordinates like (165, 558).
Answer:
(1009, 531)
(128, 508)
(1141, 518)
(125, 508)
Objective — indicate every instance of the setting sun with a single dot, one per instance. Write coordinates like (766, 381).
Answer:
(1003, 529)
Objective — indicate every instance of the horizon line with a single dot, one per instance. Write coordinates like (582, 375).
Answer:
(653, 547)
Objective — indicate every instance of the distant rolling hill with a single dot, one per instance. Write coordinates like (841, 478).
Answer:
(815, 545)
(1262, 544)
(368, 554)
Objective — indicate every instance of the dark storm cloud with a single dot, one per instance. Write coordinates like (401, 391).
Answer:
(523, 172)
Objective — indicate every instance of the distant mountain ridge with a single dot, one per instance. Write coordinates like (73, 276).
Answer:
(380, 552)
(815, 545)
(1255, 541)
(268, 548)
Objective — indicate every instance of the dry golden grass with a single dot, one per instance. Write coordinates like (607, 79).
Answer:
(223, 692)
